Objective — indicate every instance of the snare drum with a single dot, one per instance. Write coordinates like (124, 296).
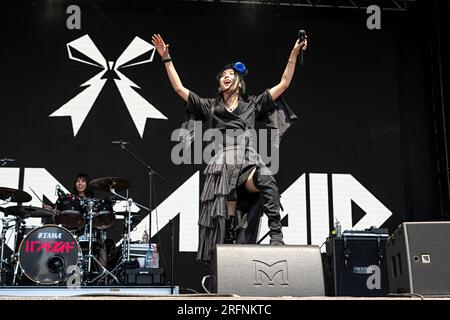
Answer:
(69, 212)
(46, 253)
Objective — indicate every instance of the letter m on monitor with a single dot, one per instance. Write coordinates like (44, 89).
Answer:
(270, 271)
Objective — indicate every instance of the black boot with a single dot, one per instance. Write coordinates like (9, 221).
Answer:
(271, 204)
(230, 234)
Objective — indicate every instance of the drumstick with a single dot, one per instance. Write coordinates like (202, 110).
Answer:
(36, 195)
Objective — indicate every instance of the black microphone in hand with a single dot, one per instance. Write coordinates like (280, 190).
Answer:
(301, 38)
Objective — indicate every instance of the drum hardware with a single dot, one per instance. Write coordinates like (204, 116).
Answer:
(20, 213)
(5, 226)
(105, 273)
(8, 195)
(90, 256)
(113, 185)
(128, 216)
(90, 214)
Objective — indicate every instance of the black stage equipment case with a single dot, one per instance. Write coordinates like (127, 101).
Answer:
(355, 264)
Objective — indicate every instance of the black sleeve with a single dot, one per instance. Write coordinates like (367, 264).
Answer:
(200, 107)
(263, 103)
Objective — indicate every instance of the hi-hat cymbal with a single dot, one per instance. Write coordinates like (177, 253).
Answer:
(15, 195)
(106, 183)
(27, 212)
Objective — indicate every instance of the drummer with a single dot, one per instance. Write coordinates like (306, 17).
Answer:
(81, 190)
(81, 186)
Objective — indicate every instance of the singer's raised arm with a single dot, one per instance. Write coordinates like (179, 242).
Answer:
(163, 50)
(288, 73)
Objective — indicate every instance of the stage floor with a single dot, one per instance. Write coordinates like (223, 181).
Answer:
(161, 293)
(105, 292)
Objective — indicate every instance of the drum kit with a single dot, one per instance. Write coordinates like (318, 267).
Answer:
(69, 249)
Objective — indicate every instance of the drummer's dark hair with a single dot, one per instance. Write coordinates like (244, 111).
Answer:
(84, 176)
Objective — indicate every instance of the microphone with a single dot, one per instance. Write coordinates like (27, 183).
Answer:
(120, 142)
(60, 191)
(4, 161)
(301, 38)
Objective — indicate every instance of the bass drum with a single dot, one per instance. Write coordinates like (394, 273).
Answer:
(46, 253)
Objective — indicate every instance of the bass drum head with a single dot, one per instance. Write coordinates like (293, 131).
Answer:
(46, 252)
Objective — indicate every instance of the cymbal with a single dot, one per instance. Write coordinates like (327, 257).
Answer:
(106, 183)
(15, 194)
(27, 212)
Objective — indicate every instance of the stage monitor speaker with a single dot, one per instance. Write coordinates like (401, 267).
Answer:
(418, 258)
(265, 271)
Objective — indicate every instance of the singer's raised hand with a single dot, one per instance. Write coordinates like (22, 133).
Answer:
(300, 45)
(288, 73)
(163, 50)
(161, 46)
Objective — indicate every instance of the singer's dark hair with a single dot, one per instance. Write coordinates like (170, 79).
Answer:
(85, 177)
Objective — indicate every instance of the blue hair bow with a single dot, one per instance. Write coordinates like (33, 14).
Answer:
(241, 68)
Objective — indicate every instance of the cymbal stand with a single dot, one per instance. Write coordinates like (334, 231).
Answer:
(126, 241)
(90, 237)
(5, 227)
(128, 223)
(2, 239)
(17, 225)
(5, 202)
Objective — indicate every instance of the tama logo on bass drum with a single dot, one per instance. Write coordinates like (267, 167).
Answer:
(49, 235)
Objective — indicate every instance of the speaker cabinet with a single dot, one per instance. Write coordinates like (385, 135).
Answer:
(263, 270)
(419, 258)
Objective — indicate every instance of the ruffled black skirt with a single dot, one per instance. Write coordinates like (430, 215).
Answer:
(227, 171)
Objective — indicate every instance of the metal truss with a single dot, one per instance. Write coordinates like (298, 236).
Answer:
(393, 5)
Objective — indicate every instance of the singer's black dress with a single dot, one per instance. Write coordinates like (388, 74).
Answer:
(225, 179)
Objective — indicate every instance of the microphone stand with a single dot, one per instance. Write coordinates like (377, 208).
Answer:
(151, 172)
(4, 161)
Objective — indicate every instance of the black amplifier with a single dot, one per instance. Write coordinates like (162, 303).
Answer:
(144, 276)
(355, 265)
